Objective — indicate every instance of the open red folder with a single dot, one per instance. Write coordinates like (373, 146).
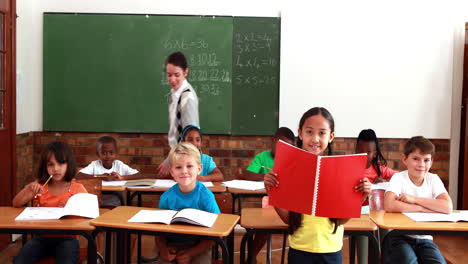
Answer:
(317, 185)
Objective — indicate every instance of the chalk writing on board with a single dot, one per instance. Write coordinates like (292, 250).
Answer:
(204, 75)
(204, 59)
(254, 80)
(182, 44)
(254, 62)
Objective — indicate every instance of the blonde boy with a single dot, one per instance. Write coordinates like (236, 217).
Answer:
(184, 160)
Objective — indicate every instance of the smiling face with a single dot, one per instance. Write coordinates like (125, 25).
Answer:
(193, 137)
(184, 170)
(418, 165)
(316, 134)
(175, 75)
(55, 169)
(107, 154)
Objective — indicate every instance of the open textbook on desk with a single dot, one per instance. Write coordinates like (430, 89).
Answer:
(190, 216)
(455, 216)
(317, 185)
(80, 204)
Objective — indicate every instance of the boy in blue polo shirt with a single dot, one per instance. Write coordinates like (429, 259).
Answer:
(185, 163)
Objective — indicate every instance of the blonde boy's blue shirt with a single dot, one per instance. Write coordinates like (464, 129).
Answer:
(200, 198)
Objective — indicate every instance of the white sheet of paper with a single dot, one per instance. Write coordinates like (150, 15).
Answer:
(80, 204)
(204, 218)
(164, 183)
(207, 184)
(153, 216)
(246, 185)
(40, 213)
(113, 183)
(437, 217)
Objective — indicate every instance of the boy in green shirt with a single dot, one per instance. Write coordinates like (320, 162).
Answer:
(260, 165)
(255, 171)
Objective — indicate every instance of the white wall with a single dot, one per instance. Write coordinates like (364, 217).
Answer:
(388, 67)
(357, 54)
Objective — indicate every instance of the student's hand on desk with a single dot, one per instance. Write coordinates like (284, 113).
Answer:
(407, 198)
(114, 176)
(270, 180)
(163, 171)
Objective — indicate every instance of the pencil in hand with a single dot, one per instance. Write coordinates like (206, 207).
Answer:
(50, 177)
(101, 176)
(266, 168)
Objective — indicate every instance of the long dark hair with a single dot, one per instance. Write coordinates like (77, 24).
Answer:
(295, 219)
(62, 154)
(368, 135)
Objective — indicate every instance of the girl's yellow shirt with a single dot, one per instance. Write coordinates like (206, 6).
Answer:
(316, 235)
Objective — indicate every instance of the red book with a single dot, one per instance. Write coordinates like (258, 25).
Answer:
(317, 185)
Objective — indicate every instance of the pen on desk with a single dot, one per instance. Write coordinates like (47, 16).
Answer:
(266, 168)
(50, 177)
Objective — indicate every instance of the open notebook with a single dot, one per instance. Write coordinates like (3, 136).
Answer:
(189, 216)
(317, 185)
(80, 204)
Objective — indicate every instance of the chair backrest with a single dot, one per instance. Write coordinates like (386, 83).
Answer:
(93, 186)
(376, 201)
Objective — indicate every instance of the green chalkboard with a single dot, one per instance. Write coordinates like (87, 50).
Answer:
(255, 70)
(105, 72)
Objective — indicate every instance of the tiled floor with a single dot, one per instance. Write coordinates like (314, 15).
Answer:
(454, 248)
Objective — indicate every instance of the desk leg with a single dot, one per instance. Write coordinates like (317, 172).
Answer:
(129, 199)
(248, 234)
(374, 250)
(92, 249)
(283, 252)
(139, 248)
(139, 199)
(268, 259)
(239, 204)
(107, 257)
(234, 197)
(222, 242)
(352, 249)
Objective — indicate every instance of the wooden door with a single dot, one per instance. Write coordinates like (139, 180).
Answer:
(7, 104)
(463, 163)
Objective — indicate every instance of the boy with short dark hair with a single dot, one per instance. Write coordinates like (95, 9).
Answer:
(107, 164)
(185, 163)
(258, 167)
(416, 190)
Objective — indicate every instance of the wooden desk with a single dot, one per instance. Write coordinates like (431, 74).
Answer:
(399, 224)
(117, 221)
(238, 194)
(266, 220)
(132, 192)
(69, 226)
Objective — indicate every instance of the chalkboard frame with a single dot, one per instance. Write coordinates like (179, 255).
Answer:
(51, 123)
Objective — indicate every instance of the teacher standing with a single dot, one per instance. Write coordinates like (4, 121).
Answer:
(183, 106)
